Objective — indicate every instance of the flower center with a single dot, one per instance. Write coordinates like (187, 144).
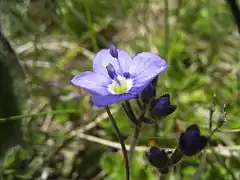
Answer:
(120, 85)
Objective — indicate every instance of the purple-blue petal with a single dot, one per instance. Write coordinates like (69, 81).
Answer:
(193, 127)
(145, 67)
(157, 157)
(190, 142)
(162, 107)
(104, 57)
(93, 83)
(102, 101)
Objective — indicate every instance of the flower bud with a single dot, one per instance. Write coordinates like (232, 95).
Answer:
(162, 107)
(191, 142)
(158, 158)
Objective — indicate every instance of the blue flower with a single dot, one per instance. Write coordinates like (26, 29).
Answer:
(162, 107)
(117, 76)
(158, 158)
(191, 142)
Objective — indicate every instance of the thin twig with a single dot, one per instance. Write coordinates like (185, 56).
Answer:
(211, 111)
(124, 150)
(225, 151)
(229, 130)
(108, 143)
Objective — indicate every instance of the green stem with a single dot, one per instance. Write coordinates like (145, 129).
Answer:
(132, 119)
(137, 133)
(211, 111)
(129, 108)
(124, 150)
(135, 137)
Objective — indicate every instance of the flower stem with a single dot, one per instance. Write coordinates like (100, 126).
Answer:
(134, 121)
(124, 150)
(137, 132)
(211, 111)
(129, 108)
(222, 119)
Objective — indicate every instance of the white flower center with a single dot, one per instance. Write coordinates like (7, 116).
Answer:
(123, 86)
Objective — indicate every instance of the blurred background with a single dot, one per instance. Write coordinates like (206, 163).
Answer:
(66, 137)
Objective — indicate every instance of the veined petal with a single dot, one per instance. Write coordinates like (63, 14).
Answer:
(103, 58)
(145, 66)
(138, 87)
(93, 83)
(107, 100)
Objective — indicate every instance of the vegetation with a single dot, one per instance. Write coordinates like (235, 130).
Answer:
(66, 137)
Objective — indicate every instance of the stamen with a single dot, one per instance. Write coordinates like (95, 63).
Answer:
(120, 85)
(113, 51)
(111, 71)
(126, 75)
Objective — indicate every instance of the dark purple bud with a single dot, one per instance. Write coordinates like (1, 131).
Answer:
(158, 158)
(113, 51)
(191, 142)
(148, 93)
(162, 107)
(111, 71)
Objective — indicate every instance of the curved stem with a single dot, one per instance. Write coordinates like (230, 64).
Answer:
(139, 103)
(124, 150)
(134, 121)
(134, 140)
(129, 108)
(137, 132)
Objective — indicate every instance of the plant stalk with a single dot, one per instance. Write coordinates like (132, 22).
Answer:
(120, 138)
